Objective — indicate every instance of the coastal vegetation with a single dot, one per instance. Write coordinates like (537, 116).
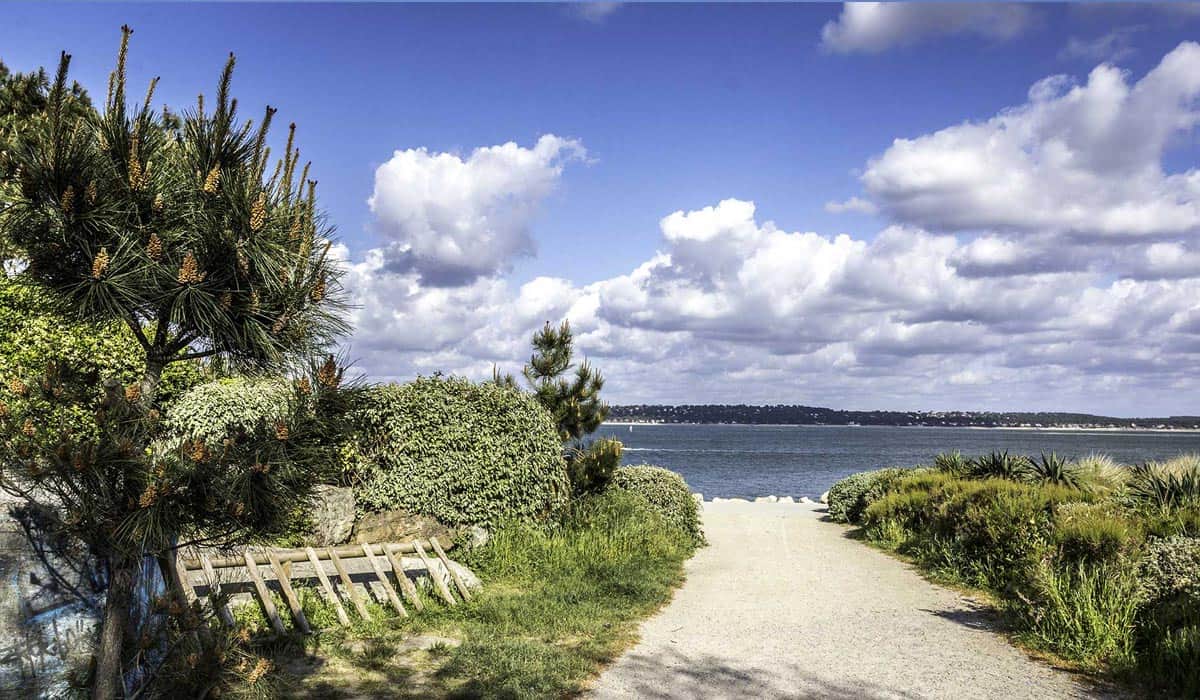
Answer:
(1090, 561)
(187, 295)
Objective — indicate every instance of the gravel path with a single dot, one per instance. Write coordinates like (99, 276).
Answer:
(783, 605)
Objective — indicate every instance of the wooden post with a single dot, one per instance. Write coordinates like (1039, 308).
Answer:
(345, 578)
(288, 594)
(438, 583)
(387, 586)
(264, 594)
(333, 597)
(410, 591)
(214, 592)
(458, 582)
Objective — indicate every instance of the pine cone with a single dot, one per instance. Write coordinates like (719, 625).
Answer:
(18, 387)
(318, 290)
(158, 203)
(282, 433)
(89, 194)
(258, 212)
(213, 180)
(28, 430)
(154, 247)
(133, 392)
(329, 376)
(189, 271)
(100, 264)
(68, 200)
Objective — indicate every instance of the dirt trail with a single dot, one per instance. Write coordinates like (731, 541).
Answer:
(783, 605)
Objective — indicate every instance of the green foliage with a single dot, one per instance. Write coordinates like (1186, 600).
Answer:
(1067, 556)
(667, 493)
(1083, 612)
(1000, 465)
(849, 497)
(461, 452)
(952, 463)
(574, 402)
(1052, 469)
(1166, 486)
(229, 407)
(565, 598)
(1094, 532)
(591, 468)
(169, 226)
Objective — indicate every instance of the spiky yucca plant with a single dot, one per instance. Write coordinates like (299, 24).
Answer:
(1000, 465)
(1052, 469)
(169, 224)
(1166, 486)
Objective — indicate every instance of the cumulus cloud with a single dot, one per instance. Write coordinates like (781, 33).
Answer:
(872, 27)
(1041, 259)
(733, 308)
(1085, 160)
(452, 219)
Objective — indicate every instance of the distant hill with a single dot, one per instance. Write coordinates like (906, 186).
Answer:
(814, 415)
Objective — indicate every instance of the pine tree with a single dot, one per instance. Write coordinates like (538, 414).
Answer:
(573, 401)
(169, 224)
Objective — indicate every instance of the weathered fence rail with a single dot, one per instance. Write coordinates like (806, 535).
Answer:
(219, 575)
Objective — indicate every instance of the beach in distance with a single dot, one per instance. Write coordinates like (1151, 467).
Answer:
(745, 461)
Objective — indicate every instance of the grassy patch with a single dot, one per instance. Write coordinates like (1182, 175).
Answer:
(559, 601)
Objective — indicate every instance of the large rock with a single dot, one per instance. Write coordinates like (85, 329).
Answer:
(401, 526)
(332, 515)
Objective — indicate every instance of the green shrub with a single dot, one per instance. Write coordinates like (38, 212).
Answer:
(1000, 465)
(952, 463)
(1167, 486)
(1052, 469)
(461, 452)
(849, 497)
(1169, 638)
(667, 493)
(591, 468)
(215, 410)
(989, 531)
(1083, 612)
(1095, 532)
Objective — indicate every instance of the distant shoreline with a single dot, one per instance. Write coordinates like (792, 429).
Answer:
(1029, 428)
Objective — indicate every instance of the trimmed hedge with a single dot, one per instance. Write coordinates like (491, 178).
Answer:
(667, 493)
(212, 411)
(461, 452)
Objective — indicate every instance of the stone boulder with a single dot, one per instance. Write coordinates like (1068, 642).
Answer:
(333, 510)
(401, 526)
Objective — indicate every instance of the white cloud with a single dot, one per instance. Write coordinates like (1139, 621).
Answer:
(854, 204)
(1112, 47)
(1084, 160)
(737, 309)
(872, 27)
(452, 220)
(594, 11)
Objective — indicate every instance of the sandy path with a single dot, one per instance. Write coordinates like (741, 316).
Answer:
(783, 605)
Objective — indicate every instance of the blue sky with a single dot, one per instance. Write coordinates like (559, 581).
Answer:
(675, 108)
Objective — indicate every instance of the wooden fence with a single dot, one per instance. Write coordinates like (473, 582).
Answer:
(381, 558)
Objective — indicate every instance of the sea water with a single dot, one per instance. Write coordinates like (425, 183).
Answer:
(744, 461)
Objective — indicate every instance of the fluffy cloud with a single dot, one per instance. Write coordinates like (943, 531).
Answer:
(1084, 160)
(451, 220)
(1042, 259)
(737, 309)
(872, 27)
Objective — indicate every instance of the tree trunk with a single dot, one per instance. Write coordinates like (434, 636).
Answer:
(122, 580)
(150, 381)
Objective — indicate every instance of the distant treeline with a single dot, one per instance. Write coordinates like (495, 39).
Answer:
(812, 415)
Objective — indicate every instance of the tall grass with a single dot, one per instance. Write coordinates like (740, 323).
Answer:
(1083, 612)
